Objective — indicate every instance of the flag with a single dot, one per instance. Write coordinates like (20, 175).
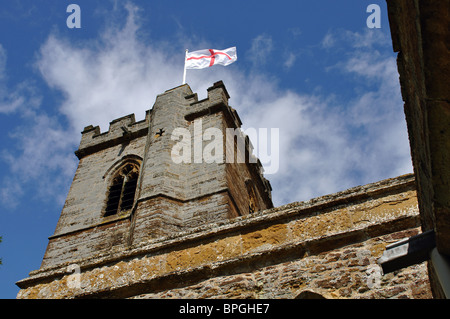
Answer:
(209, 57)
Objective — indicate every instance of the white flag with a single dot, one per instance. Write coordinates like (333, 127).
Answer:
(209, 57)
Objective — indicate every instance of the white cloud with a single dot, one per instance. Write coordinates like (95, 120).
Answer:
(328, 41)
(11, 99)
(327, 145)
(295, 32)
(42, 157)
(261, 47)
(10, 192)
(289, 60)
(38, 148)
(366, 39)
(100, 80)
(377, 112)
(357, 40)
(314, 152)
(2, 62)
(108, 83)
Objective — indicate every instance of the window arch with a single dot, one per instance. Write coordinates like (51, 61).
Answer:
(122, 189)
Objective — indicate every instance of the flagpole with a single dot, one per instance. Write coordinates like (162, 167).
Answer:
(184, 73)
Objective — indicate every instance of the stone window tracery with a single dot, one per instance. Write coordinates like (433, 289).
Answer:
(122, 189)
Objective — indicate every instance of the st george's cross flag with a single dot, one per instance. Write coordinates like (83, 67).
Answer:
(209, 57)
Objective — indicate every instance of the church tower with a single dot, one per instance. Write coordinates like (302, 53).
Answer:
(176, 206)
(157, 177)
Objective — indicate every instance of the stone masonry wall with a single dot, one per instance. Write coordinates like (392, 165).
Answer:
(81, 228)
(420, 35)
(328, 246)
(348, 272)
(420, 32)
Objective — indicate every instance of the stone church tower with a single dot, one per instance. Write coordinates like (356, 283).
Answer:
(154, 211)
(129, 187)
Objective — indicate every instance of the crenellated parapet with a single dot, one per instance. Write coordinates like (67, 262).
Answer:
(216, 101)
(121, 130)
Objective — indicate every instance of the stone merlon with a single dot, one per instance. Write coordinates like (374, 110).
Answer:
(120, 131)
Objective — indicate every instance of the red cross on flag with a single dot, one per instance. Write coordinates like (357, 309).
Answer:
(209, 57)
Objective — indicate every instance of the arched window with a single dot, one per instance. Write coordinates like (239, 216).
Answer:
(122, 189)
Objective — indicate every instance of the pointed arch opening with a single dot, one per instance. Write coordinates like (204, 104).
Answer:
(122, 189)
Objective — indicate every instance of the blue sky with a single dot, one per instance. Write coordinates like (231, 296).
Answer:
(313, 69)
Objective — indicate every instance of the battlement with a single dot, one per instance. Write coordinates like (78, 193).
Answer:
(121, 130)
(216, 101)
(125, 129)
